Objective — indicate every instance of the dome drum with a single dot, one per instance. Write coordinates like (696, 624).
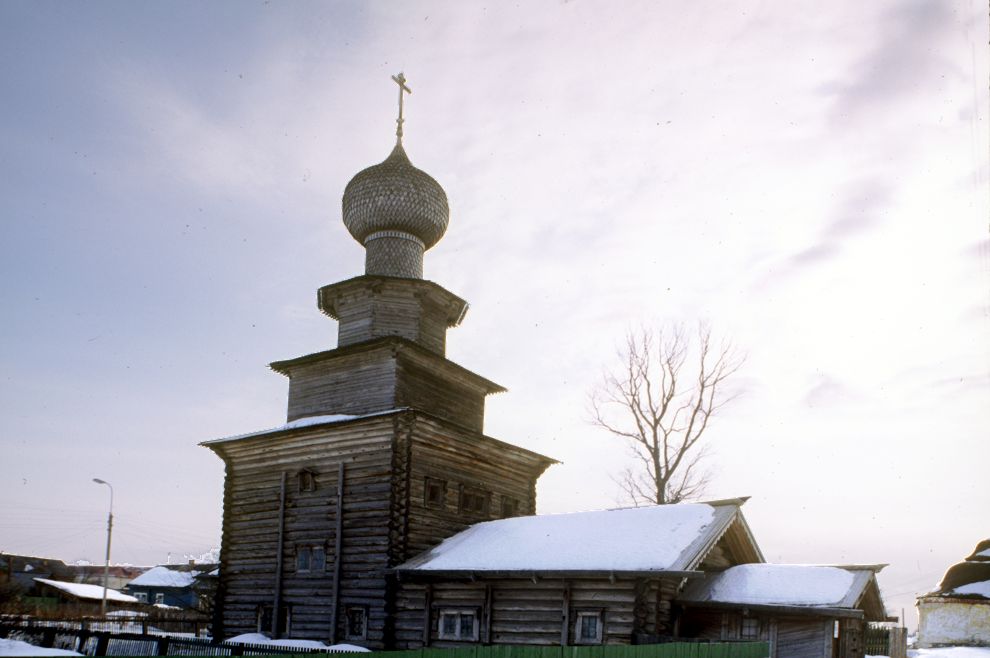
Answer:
(394, 253)
(393, 203)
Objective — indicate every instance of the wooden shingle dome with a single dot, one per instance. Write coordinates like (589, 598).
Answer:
(397, 212)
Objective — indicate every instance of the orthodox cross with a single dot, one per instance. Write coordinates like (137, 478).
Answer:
(401, 81)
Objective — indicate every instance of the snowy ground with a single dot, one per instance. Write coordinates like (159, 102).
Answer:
(948, 652)
(258, 638)
(18, 648)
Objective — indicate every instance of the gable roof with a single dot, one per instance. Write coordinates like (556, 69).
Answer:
(670, 539)
(90, 592)
(162, 576)
(846, 590)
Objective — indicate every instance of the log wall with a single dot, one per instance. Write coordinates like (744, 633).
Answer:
(251, 519)
(533, 612)
(385, 519)
(458, 459)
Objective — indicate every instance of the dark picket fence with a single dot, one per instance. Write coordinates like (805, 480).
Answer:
(107, 643)
(876, 640)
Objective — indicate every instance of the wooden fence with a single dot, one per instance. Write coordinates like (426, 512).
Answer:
(105, 643)
(881, 640)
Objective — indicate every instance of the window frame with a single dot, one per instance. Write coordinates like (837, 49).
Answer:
(363, 610)
(142, 597)
(265, 611)
(749, 622)
(468, 493)
(594, 613)
(159, 598)
(429, 482)
(306, 480)
(458, 636)
(311, 552)
(513, 507)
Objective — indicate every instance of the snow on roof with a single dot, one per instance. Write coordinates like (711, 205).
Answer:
(659, 538)
(784, 584)
(83, 591)
(308, 421)
(164, 577)
(978, 589)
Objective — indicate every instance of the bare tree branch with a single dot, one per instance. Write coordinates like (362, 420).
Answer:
(661, 407)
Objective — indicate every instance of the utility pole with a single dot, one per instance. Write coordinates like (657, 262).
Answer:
(106, 564)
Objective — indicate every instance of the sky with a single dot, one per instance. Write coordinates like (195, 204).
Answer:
(809, 179)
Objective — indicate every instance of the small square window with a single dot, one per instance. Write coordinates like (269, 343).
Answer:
(510, 507)
(588, 627)
(750, 629)
(311, 558)
(474, 501)
(304, 558)
(141, 596)
(160, 598)
(434, 493)
(460, 625)
(307, 480)
(357, 623)
(265, 619)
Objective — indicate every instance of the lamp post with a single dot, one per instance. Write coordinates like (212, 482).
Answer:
(106, 565)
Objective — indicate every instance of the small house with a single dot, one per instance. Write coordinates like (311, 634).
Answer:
(84, 599)
(800, 610)
(958, 611)
(604, 577)
(170, 585)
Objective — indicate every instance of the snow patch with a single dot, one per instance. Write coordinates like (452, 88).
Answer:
(637, 539)
(18, 648)
(782, 584)
(980, 589)
(951, 652)
(317, 420)
(258, 638)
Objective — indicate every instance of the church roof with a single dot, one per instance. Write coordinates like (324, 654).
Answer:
(395, 196)
(668, 539)
(970, 578)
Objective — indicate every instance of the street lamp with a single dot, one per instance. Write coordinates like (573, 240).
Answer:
(106, 565)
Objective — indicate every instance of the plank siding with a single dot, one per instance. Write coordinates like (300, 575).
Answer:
(422, 387)
(356, 383)
(804, 639)
(371, 307)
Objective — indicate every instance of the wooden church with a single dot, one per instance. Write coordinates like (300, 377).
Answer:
(384, 454)
(381, 514)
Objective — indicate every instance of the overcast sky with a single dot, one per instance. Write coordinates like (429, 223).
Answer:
(810, 178)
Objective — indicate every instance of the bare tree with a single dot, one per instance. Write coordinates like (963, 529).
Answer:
(661, 400)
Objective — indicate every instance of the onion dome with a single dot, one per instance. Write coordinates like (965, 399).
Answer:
(397, 212)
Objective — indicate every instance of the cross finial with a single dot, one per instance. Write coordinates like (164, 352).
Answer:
(401, 81)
